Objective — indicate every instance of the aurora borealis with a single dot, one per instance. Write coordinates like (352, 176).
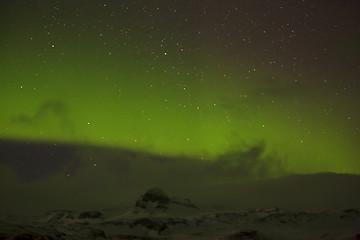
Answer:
(198, 79)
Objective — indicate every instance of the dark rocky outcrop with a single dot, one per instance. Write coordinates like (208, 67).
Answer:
(91, 214)
(158, 224)
(245, 235)
(32, 236)
(153, 195)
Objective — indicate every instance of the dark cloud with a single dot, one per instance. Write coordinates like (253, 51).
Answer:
(120, 176)
(55, 107)
(53, 110)
(249, 164)
(34, 161)
(276, 87)
(52, 176)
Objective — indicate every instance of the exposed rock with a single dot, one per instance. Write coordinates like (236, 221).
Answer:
(155, 196)
(25, 236)
(134, 237)
(4, 236)
(91, 214)
(245, 235)
(90, 233)
(116, 222)
(158, 224)
(32, 236)
(352, 211)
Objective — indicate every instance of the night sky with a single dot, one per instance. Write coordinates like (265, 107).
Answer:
(225, 85)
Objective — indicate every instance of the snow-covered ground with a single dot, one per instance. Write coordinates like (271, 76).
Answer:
(157, 216)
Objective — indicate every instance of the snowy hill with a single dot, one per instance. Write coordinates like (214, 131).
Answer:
(157, 216)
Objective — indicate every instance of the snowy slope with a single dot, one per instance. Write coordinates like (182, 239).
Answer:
(156, 216)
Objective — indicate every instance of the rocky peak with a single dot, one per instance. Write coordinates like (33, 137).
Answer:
(154, 196)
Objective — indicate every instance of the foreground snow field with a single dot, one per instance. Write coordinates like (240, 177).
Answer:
(156, 216)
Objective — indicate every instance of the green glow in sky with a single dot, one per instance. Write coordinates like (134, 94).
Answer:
(188, 89)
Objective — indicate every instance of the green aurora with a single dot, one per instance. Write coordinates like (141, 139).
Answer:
(122, 80)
